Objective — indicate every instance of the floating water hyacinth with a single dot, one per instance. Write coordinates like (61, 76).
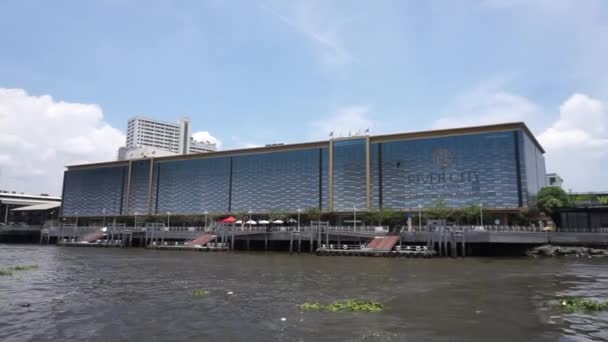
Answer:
(6, 273)
(25, 268)
(200, 293)
(347, 305)
(9, 271)
(571, 304)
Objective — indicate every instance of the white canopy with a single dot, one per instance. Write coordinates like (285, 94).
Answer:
(277, 222)
(42, 206)
(264, 222)
(239, 222)
(251, 222)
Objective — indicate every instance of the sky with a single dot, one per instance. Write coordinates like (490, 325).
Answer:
(250, 73)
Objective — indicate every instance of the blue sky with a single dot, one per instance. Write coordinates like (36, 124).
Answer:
(257, 72)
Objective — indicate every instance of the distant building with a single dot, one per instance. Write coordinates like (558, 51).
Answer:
(24, 208)
(151, 138)
(553, 179)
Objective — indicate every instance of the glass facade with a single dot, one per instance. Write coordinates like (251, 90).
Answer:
(501, 169)
(191, 186)
(461, 170)
(349, 184)
(87, 192)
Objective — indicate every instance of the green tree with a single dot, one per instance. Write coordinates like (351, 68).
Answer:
(550, 199)
(380, 216)
(278, 215)
(313, 214)
(438, 210)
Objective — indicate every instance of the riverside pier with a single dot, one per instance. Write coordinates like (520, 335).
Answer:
(323, 239)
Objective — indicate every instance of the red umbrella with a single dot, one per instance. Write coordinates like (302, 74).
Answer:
(229, 219)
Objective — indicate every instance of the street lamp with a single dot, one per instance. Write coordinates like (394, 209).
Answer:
(206, 213)
(76, 219)
(104, 217)
(134, 220)
(52, 213)
(355, 217)
(299, 212)
(481, 213)
(420, 217)
(250, 212)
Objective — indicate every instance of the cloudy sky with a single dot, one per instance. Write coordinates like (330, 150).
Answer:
(256, 72)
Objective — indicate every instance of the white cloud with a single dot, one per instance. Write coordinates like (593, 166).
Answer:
(40, 135)
(206, 137)
(488, 104)
(342, 122)
(577, 143)
(575, 139)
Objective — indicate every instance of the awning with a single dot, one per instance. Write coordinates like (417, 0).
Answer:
(43, 206)
(17, 201)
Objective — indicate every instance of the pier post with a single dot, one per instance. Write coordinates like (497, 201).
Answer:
(463, 244)
(291, 243)
(453, 246)
(299, 243)
(232, 240)
(311, 247)
(247, 242)
(266, 242)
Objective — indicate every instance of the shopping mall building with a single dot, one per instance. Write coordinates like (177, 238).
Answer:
(499, 166)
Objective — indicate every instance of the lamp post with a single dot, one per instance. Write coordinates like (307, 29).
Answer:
(103, 224)
(250, 212)
(162, 232)
(299, 212)
(52, 213)
(355, 217)
(420, 217)
(134, 220)
(76, 219)
(481, 213)
(206, 213)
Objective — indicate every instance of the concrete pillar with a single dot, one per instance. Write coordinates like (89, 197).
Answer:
(6, 214)
(299, 243)
(266, 242)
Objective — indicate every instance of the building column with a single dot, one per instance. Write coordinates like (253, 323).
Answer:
(6, 214)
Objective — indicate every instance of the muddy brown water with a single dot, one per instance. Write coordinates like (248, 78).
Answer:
(91, 294)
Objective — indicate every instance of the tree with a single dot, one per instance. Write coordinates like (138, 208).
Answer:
(277, 215)
(380, 216)
(313, 214)
(550, 199)
(438, 211)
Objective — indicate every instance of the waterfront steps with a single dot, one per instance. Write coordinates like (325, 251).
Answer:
(93, 236)
(383, 243)
(201, 240)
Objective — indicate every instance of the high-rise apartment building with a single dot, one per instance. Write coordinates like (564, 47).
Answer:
(148, 137)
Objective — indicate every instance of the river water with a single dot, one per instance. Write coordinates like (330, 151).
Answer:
(97, 294)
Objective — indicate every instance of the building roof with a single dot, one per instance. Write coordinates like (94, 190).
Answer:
(24, 202)
(26, 196)
(377, 138)
(43, 206)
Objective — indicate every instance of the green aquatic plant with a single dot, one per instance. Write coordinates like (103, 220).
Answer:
(571, 304)
(347, 305)
(25, 268)
(9, 271)
(6, 273)
(199, 293)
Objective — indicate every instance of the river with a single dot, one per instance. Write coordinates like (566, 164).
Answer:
(97, 294)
